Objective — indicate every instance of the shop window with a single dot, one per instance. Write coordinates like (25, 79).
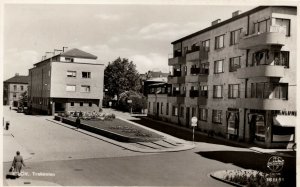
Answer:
(260, 128)
(233, 123)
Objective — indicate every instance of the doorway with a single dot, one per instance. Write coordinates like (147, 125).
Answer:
(187, 116)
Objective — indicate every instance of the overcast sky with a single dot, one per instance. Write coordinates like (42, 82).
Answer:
(141, 33)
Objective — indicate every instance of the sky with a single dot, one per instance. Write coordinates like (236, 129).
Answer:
(140, 33)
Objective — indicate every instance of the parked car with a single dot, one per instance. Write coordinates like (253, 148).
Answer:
(20, 109)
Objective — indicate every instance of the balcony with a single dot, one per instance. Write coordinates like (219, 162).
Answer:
(176, 80)
(190, 101)
(262, 104)
(179, 60)
(191, 78)
(275, 36)
(260, 71)
(203, 77)
(178, 99)
(194, 93)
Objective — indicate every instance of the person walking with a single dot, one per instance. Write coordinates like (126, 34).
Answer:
(18, 163)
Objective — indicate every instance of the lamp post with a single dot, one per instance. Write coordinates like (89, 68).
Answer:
(194, 124)
(129, 101)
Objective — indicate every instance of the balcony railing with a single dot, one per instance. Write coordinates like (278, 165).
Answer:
(275, 36)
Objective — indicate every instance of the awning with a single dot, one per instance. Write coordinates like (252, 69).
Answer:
(285, 121)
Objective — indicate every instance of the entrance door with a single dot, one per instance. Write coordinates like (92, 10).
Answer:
(187, 116)
(59, 107)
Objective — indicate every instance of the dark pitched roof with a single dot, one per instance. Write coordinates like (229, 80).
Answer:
(78, 53)
(221, 23)
(21, 79)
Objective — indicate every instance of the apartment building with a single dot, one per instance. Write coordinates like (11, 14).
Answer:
(238, 77)
(66, 82)
(13, 88)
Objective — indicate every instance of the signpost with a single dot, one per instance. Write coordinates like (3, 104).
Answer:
(194, 124)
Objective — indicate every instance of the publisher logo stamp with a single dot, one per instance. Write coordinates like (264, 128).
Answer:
(275, 164)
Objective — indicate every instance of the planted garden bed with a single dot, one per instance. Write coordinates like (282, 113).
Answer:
(115, 129)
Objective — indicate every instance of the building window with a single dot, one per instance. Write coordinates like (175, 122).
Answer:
(233, 91)
(86, 75)
(260, 58)
(219, 42)
(182, 111)
(174, 111)
(218, 68)
(260, 128)
(218, 91)
(71, 73)
(234, 36)
(14, 95)
(217, 116)
(81, 103)
(22, 88)
(85, 88)
(204, 91)
(284, 23)
(90, 104)
(161, 108)
(149, 105)
(15, 87)
(71, 88)
(72, 103)
(262, 26)
(282, 58)
(206, 44)
(269, 90)
(69, 59)
(234, 63)
(203, 114)
(167, 109)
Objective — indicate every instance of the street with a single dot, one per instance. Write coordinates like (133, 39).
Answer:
(71, 158)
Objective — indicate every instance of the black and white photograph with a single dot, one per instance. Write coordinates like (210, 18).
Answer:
(149, 93)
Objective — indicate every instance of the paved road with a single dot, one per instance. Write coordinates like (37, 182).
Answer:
(77, 159)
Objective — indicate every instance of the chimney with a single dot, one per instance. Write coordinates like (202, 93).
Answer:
(236, 13)
(17, 74)
(57, 51)
(216, 22)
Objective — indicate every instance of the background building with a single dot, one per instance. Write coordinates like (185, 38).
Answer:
(238, 77)
(66, 82)
(152, 77)
(13, 88)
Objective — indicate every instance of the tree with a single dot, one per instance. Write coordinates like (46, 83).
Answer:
(23, 99)
(138, 101)
(120, 76)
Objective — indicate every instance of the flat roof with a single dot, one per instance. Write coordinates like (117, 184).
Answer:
(221, 23)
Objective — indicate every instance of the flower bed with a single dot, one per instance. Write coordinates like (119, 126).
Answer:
(248, 178)
(116, 129)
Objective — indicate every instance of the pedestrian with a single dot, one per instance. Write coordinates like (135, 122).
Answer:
(77, 122)
(18, 163)
(9, 107)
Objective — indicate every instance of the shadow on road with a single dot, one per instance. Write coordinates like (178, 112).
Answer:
(255, 161)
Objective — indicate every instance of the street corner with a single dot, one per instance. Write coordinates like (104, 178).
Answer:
(11, 146)
(28, 182)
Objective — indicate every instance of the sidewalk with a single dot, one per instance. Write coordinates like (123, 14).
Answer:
(279, 152)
